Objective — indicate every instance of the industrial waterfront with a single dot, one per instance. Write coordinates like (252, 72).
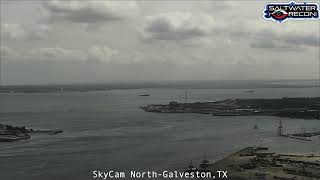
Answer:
(305, 108)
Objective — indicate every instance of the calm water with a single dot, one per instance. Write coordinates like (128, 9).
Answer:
(107, 130)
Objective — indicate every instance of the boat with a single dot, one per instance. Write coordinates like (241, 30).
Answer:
(191, 168)
(226, 114)
(55, 132)
(144, 95)
(205, 162)
(250, 91)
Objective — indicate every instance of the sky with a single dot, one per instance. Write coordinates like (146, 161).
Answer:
(45, 42)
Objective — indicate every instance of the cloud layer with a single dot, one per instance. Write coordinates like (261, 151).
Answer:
(23, 32)
(178, 26)
(154, 39)
(89, 11)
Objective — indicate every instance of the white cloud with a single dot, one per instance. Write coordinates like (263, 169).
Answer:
(6, 51)
(90, 11)
(39, 31)
(92, 54)
(18, 31)
(56, 53)
(101, 54)
(178, 26)
(12, 31)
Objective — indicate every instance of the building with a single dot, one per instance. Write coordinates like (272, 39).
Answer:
(3, 128)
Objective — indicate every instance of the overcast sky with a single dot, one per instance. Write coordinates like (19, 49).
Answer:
(126, 41)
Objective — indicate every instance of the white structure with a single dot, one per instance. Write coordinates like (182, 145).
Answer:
(3, 128)
(280, 129)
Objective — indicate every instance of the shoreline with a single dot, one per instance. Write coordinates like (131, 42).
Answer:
(261, 163)
(305, 108)
(11, 133)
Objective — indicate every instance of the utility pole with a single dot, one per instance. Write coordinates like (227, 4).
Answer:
(0, 70)
(186, 96)
(280, 128)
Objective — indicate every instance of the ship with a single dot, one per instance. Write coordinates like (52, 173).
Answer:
(205, 162)
(191, 168)
(250, 91)
(144, 95)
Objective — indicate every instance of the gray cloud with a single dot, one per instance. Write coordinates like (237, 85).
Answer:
(12, 31)
(101, 54)
(272, 45)
(89, 11)
(24, 32)
(290, 37)
(6, 51)
(287, 41)
(189, 40)
(312, 40)
(54, 53)
(94, 54)
(178, 26)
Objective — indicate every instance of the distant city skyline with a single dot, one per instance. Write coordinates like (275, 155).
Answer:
(136, 41)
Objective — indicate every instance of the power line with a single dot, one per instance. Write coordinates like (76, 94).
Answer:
(186, 96)
(0, 71)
